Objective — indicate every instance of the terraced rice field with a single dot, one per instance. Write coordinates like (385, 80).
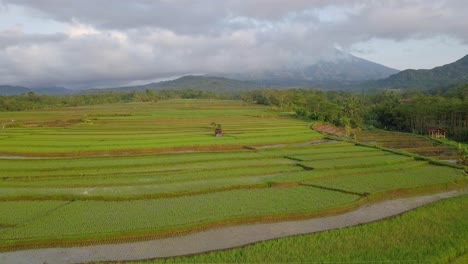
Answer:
(139, 128)
(410, 143)
(137, 171)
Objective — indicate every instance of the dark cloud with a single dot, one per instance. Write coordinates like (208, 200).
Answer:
(182, 16)
(400, 20)
(114, 42)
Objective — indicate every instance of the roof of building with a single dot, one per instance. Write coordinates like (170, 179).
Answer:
(432, 129)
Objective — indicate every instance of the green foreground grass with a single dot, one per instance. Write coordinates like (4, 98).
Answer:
(437, 233)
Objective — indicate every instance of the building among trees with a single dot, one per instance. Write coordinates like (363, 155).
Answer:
(436, 132)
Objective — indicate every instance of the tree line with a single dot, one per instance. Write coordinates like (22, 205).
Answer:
(30, 100)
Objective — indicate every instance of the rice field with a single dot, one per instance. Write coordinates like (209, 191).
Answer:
(145, 170)
(145, 127)
(436, 233)
(410, 143)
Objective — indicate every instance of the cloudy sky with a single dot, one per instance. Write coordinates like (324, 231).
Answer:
(99, 43)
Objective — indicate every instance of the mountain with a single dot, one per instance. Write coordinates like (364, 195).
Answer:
(443, 76)
(12, 90)
(348, 68)
(331, 71)
(335, 70)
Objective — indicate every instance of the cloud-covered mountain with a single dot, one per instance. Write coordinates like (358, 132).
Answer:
(338, 68)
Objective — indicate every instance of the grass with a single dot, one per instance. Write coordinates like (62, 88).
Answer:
(436, 233)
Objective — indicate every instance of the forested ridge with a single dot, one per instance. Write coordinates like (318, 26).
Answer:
(442, 76)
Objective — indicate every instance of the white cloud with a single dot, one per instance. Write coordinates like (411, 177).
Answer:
(76, 30)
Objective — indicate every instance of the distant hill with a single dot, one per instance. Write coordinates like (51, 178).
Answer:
(53, 91)
(12, 90)
(443, 76)
(15, 90)
(332, 71)
(205, 83)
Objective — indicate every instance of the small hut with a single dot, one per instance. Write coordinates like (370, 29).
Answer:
(436, 132)
(218, 132)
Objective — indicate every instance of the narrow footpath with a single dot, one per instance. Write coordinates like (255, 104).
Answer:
(221, 238)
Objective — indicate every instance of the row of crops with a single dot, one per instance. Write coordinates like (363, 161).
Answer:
(55, 192)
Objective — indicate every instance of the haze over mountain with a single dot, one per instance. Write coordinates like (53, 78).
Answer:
(442, 76)
(333, 71)
(330, 72)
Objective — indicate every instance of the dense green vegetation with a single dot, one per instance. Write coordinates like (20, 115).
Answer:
(156, 169)
(413, 112)
(416, 113)
(436, 233)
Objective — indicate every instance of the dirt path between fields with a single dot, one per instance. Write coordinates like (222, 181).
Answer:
(221, 238)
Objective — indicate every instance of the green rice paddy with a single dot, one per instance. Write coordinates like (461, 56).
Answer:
(114, 172)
